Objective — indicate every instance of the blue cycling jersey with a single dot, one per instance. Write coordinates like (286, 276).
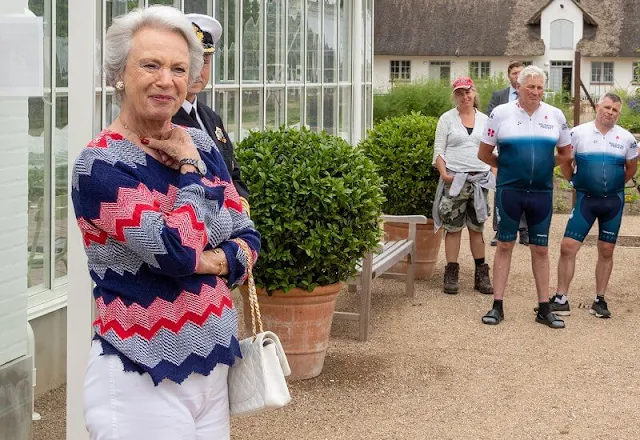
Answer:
(600, 158)
(527, 145)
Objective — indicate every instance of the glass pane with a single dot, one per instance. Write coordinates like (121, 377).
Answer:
(174, 3)
(38, 227)
(368, 41)
(344, 118)
(314, 44)
(252, 115)
(59, 209)
(294, 104)
(275, 50)
(344, 41)
(251, 42)
(196, 7)
(115, 8)
(62, 39)
(275, 108)
(227, 106)
(112, 110)
(330, 109)
(295, 53)
(205, 96)
(226, 61)
(97, 81)
(330, 40)
(314, 109)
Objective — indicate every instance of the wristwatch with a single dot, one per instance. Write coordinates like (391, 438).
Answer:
(199, 164)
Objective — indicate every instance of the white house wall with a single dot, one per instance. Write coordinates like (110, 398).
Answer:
(420, 67)
(558, 10)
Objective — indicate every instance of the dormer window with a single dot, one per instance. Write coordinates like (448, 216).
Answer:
(561, 34)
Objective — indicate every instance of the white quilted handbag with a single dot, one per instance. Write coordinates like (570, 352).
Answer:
(257, 381)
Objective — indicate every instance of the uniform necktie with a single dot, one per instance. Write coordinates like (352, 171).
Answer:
(192, 113)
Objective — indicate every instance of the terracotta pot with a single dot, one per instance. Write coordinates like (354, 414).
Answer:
(427, 243)
(302, 321)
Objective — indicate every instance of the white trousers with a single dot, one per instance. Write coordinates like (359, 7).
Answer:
(121, 405)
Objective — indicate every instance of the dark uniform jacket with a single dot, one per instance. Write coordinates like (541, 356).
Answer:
(498, 97)
(211, 121)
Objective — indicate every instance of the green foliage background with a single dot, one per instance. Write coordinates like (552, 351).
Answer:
(402, 149)
(316, 201)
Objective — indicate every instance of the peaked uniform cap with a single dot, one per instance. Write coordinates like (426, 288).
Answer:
(208, 30)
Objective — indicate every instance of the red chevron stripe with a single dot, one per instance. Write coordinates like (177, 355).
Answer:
(91, 234)
(100, 141)
(231, 197)
(174, 327)
(135, 314)
(192, 231)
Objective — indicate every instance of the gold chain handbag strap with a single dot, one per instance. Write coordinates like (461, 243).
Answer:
(253, 296)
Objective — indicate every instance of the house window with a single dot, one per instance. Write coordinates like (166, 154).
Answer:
(635, 73)
(602, 72)
(527, 63)
(400, 69)
(561, 34)
(479, 69)
(440, 70)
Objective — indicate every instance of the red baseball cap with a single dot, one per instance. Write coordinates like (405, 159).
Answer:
(464, 82)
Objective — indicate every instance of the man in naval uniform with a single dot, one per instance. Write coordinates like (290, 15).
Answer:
(194, 113)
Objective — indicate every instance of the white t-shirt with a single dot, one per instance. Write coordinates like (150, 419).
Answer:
(527, 144)
(600, 158)
(456, 146)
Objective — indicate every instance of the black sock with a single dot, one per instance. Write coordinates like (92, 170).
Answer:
(497, 304)
(543, 308)
(479, 261)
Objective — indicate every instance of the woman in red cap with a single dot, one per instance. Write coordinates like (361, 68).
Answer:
(461, 197)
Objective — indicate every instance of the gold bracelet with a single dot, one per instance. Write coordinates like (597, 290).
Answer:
(221, 263)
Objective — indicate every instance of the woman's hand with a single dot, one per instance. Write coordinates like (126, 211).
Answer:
(446, 178)
(213, 262)
(176, 146)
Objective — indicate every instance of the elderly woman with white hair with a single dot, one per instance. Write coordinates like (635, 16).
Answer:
(166, 237)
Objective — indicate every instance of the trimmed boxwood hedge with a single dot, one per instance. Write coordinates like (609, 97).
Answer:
(402, 149)
(316, 201)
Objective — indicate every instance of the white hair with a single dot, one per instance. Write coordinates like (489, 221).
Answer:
(118, 39)
(531, 71)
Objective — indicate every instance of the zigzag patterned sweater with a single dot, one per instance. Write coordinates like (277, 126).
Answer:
(144, 228)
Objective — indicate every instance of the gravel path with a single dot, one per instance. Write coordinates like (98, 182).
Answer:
(432, 370)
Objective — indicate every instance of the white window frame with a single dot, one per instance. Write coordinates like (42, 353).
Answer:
(601, 68)
(400, 70)
(480, 69)
(561, 34)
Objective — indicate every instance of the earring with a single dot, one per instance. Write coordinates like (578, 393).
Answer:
(120, 86)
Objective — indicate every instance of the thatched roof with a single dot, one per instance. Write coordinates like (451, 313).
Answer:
(498, 27)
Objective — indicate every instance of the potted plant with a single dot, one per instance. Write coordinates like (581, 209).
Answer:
(402, 149)
(316, 201)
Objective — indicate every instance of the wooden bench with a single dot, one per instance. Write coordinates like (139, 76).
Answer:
(377, 263)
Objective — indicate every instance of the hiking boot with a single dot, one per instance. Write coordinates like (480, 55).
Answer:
(451, 272)
(557, 308)
(599, 308)
(524, 236)
(482, 281)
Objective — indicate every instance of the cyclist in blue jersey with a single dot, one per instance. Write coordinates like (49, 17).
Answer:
(605, 158)
(528, 131)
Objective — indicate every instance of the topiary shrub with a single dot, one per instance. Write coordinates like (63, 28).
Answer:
(402, 149)
(316, 201)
